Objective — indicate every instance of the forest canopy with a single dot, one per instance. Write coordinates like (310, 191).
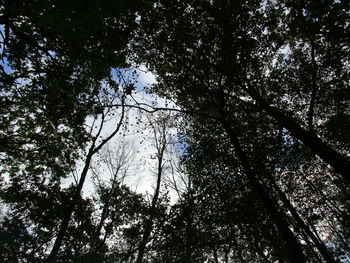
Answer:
(242, 137)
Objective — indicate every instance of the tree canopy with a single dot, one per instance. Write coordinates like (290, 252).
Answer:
(262, 114)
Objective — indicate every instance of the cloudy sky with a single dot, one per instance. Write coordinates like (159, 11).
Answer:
(137, 137)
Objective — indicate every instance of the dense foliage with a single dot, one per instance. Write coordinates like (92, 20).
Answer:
(263, 91)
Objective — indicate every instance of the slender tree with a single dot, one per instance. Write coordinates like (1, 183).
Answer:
(161, 129)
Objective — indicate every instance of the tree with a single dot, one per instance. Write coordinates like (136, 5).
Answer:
(51, 71)
(219, 58)
(96, 145)
(118, 204)
(263, 86)
(31, 223)
(161, 131)
(245, 43)
(55, 66)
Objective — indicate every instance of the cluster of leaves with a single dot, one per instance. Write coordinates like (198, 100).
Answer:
(55, 71)
(265, 87)
(55, 56)
(255, 75)
(27, 234)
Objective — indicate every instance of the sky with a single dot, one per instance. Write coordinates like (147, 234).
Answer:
(3, 61)
(139, 138)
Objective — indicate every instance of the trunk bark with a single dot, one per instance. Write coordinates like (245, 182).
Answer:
(68, 213)
(319, 245)
(339, 163)
(314, 88)
(294, 250)
(67, 216)
(149, 222)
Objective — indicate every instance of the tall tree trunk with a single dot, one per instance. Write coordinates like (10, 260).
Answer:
(68, 213)
(149, 223)
(314, 87)
(340, 164)
(189, 222)
(97, 242)
(71, 207)
(319, 245)
(294, 250)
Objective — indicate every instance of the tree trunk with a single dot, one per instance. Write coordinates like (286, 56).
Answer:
(314, 88)
(149, 222)
(340, 164)
(189, 222)
(319, 245)
(68, 213)
(294, 250)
